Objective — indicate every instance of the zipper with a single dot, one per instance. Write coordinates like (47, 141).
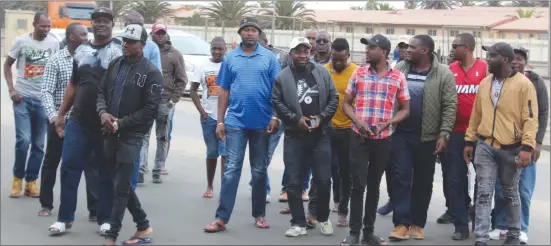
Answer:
(495, 109)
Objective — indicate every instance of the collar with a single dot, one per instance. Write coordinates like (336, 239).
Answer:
(258, 51)
(371, 70)
(65, 52)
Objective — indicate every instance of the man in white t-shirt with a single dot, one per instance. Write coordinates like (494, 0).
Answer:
(208, 109)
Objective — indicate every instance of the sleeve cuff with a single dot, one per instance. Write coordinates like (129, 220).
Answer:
(526, 148)
(539, 142)
(101, 111)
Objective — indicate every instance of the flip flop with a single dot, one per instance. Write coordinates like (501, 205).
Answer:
(216, 226)
(207, 194)
(261, 223)
(285, 211)
(141, 240)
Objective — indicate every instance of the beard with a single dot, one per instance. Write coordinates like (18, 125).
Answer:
(494, 68)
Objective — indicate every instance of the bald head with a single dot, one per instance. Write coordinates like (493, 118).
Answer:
(310, 34)
(133, 17)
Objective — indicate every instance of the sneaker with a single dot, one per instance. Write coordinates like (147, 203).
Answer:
(446, 218)
(305, 196)
(31, 189)
(460, 235)
(511, 241)
(157, 178)
(416, 232)
(267, 198)
(283, 197)
(385, 209)
(497, 234)
(523, 238)
(104, 228)
(16, 187)
(92, 216)
(326, 228)
(295, 231)
(141, 178)
(399, 233)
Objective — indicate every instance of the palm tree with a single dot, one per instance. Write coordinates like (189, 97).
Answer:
(384, 6)
(151, 10)
(529, 4)
(195, 20)
(493, 3)
(528, 13)
(295, 9)
(373, 5)
(230, 11)
(118, 6)
(411, 4)
(437, 5)
(465, 3)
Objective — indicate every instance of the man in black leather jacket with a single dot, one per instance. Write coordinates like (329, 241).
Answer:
(128, 98)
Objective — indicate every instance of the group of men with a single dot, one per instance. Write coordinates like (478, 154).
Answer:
(347, 125)
(344, 125)
(96, 101)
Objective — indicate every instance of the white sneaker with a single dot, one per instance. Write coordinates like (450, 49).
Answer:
(104, 228)
(497, 234)
(523, 238)
(326, 228)
(295, 231)
(267, 198)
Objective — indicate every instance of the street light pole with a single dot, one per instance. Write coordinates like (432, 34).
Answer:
(273, 25)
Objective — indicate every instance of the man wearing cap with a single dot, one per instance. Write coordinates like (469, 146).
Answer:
(420, 138)
(305, 98)
(128, 99)
(245, 115)
(83, 135)
(527, 180)
(504, 126)
(400, 51)
(376, 90)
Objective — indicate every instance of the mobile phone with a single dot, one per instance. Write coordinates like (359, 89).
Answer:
(312, 122)
(373, 129)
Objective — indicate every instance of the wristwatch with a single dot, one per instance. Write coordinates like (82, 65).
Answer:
(447, 136)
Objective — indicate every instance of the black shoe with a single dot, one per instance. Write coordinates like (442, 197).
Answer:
(446, 218)
(157, 178)
(350, 240)
(92, 216)
(471, 213)
(478, 243)
(511, 241)
(372, 240)
(141, 178)
(460, 235)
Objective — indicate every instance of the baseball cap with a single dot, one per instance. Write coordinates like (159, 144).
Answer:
(249, 21)
(134, 32)
(403, 41)
(159, 26)
(378, 40)
(102, 11)
(501, 48)
(299, 41)
(521, 50)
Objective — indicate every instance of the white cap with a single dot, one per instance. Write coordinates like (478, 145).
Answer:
(298, 41)
(134, 32)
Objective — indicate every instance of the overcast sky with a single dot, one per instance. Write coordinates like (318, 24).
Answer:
(315, 4)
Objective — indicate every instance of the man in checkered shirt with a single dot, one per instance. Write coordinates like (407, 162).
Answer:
(374, 89)
(56, 76)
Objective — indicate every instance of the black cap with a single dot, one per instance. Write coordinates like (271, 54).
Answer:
(521, 50)
(102, 11)
(249, 21)
(501, 48)
(378, 40)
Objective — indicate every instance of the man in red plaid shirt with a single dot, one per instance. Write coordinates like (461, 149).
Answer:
(375, 89)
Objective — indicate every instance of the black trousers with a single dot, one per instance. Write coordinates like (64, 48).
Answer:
(389, 176)
(340, 142)
(299, 151)
(368, 160)
(120, 154)
(48, 174)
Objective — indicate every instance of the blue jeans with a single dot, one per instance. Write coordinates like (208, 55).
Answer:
(236, 143)
(526, 186)
(170, 124)
(215, 146)
(78, 144)
(31, 124)
(274, 141)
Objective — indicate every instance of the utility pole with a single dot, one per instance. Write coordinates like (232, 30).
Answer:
(273, 25)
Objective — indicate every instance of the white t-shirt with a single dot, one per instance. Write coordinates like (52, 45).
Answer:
(208, 72)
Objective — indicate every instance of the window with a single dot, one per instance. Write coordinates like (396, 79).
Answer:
(349, 29)
(477, 34)
(390, 31)
(79, 13)
(432, 32)
(410, 31)
(543, 36)
(454, 33)
(502, 35)
(21, 24)
(532, 35)
(520, 36)
(368, 30)
(190, 45)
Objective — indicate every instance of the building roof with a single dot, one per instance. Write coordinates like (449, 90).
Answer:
(525, 24)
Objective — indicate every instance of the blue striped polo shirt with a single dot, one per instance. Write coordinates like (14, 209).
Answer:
(249, 78)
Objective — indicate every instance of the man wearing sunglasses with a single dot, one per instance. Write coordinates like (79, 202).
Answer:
(323, 48)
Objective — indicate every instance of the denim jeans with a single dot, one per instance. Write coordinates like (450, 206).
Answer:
(30, 130)
(274, 142)
(456, 182)
(526, 184)
(492, 164)
(303, 151)
(236, 144)
(78, 144)
(414, 166)
(215, 146)
(171, 117)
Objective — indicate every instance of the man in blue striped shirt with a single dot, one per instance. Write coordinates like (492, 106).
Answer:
(246, 77)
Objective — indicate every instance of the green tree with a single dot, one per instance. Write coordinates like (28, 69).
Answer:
(528, 13)
(195, 20)
(118, 6)
(493, 3)
(151, 10)
(437, 4)
(412, 4)
(466, 3)
(294, 9)
(231, 11)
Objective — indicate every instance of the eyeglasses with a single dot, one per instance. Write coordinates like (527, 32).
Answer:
(322, 41)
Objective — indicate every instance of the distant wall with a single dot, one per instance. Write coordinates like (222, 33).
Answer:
(18, 22)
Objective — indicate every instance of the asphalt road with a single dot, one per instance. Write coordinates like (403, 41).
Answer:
(178, 213)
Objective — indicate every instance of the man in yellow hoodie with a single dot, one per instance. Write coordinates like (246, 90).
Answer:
(503, 124)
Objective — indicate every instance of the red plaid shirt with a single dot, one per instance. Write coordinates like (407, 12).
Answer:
(375, 99)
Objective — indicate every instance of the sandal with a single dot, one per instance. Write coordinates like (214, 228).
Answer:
(343, 221)
(59, 228)
(373, 240)
(215, 226)
(335, 208)
(44, 212)
(350, 240)
(285, 211)
(261, 223)
(141, 240)
(207, 194)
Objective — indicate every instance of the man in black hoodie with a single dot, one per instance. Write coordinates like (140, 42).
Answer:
(128, 98)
